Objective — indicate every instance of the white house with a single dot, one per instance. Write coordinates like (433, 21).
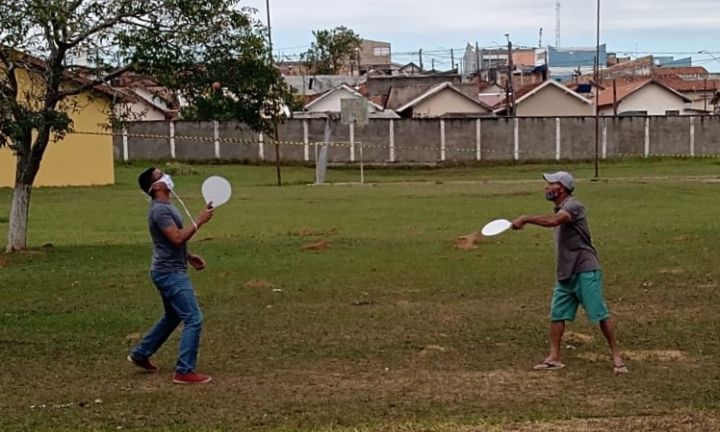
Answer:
(550, 99)
(645, 97)
(437, 101)
(330, 101)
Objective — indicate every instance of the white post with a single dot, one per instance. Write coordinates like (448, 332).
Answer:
(352, 142)
(216, 138)
(557, 138)
(306, 141)
(647, 136)
(516, 136)
(478, 140)
(604, 138)
(692, 136)
(126, 152)
(172, 140)
(392, 141)
(442, 140)
(261, 146)
(362, 164)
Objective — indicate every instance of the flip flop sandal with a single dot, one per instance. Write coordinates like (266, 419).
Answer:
(548, 366)
(620, 369)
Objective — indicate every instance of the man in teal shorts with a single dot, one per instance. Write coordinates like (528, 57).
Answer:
(579, 277)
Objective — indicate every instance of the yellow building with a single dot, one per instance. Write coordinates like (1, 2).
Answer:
(80, 159)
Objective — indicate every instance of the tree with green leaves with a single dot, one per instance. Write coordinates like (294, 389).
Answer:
(331, 50)
(187, 46)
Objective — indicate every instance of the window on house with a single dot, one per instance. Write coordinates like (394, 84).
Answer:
(672, 112)
(381, 51)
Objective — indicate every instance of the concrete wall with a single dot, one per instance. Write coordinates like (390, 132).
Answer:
(427, 140)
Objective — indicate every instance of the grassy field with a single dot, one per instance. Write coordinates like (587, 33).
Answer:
(382, 324)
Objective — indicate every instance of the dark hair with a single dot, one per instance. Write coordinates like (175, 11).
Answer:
(145, 180)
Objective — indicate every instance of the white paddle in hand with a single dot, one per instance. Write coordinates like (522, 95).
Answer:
(496, 227)
(216, 190)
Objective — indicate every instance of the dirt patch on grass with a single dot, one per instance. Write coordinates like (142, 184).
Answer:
(308, 231)
(258, 284)
(577, 338)
(674, 271)
(318, 246)
(667, 423)
(647, 356)
(468, 242)
(658, 355)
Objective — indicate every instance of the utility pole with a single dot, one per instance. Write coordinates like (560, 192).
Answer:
(510, 90)
(421, 59)
(270, 44)
(477, 60)
(597, 96)
(540, 40)
(557, 24)
(452, 59)
(276, 135)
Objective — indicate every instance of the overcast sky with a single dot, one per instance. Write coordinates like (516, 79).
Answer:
(628, 26)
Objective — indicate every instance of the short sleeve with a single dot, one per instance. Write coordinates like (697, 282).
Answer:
(575, 209)
(162, 217)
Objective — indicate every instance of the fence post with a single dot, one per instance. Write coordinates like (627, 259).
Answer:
(352, 142)
(306, 141)
(172, 140)
(261, 146)
(692, 136)
(442, 140)
(558, 138)
(647, 136)
(478, 140)
(125, 144)
(516, 136)
(392, 141)
(604, 137)
(216, 138)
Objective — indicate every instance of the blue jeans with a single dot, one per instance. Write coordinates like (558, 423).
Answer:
(180, 305)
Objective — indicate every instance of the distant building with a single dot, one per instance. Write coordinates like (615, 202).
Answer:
(331, 101)
(566, 62)
(442, 100)
(311, 85)
(375, 56)
(643, 97)
(550, 99)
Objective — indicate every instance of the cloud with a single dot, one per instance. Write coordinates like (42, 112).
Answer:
(430, 24)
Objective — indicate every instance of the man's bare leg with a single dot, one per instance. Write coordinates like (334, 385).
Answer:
(608, 328)
(557, 328)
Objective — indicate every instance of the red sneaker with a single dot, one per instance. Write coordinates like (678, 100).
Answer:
(144, 364)
(191, 378)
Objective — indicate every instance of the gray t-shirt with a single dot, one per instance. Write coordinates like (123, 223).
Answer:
(573, 243)
(167, 258)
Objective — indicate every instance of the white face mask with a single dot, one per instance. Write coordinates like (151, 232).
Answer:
(167, 180)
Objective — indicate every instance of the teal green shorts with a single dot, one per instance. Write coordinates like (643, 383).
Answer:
(584, 289)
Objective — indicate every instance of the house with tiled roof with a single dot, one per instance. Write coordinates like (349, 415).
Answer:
(548, 99)
(642, 97)
(441, 100)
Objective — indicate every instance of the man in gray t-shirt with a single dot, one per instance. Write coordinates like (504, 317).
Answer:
(579, 277)
(167, 257)
(169, 274)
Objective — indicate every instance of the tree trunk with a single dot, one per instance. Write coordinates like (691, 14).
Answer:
(17, 229)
